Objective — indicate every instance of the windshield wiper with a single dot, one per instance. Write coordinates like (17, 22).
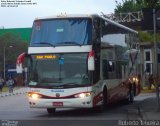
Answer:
(49, 80)
(70, 43)
(44, 43)
(71, 85)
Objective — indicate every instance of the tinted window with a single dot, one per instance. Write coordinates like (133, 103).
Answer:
(59, 70)
(59, 31)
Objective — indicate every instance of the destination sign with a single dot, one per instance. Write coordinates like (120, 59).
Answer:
(46, 57)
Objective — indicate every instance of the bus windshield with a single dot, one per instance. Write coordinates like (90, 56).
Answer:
(61, 31)
(58, 70)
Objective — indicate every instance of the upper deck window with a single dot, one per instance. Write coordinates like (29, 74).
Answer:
(62, 31)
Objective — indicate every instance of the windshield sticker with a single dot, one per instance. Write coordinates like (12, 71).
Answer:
(60, 30)
(32, 83)
(38, 25)
(61, 61)
(38, 28)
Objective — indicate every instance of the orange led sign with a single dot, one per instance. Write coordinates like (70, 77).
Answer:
(45, 56)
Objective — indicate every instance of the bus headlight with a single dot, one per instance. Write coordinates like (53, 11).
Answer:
(83, 95)
(34, 96)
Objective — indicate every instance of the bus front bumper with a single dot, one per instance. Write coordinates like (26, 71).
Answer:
(85, 102)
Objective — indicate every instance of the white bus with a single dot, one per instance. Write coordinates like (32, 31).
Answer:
(74, 61)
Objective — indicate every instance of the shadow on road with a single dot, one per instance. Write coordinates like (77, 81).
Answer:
(119, 107)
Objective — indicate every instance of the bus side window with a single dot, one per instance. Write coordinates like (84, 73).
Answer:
(111, 66)
(104, 69)
(108, 69)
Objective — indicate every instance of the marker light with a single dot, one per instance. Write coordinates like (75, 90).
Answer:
(134, 79)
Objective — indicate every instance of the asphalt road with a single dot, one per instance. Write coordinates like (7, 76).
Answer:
(15, 110)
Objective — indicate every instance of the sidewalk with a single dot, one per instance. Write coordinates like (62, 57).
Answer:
(146, 90)
(149, 107)
(16, 91)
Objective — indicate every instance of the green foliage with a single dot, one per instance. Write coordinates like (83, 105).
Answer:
(13, 47)
(150, 3)
(126, 6)
(147, 37)
(5, 89)
(135, 5)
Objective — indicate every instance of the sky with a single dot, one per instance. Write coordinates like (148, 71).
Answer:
(24, 15)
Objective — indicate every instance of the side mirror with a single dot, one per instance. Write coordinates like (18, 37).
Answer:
(91, 62)
(19, 68)
(20, 59)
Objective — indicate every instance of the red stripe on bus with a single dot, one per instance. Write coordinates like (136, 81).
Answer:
(54, 97)
(97, 99)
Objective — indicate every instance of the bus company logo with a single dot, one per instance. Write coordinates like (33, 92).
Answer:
(33, 90)
(57, 90)
(57, 95)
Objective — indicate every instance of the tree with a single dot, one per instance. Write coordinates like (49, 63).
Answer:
(126, 6)
(19, 46)
(145, 36)
(149, 3)
(135, 5)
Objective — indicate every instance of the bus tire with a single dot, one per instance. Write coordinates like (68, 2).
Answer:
(102, 107)
(104, 104)
(51, 110)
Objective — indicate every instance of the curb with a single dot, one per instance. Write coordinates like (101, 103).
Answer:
(151, 90)
(11, 94)
(147, 91)
(14, 93)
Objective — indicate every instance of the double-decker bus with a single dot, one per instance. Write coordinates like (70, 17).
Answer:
(78, 61)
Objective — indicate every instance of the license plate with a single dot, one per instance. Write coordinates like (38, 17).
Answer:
(57, 103)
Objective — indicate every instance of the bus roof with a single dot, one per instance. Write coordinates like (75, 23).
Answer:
(68, 16)
(112, 26)
(121, 27)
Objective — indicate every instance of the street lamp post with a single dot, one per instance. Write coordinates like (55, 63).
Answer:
(155, 59)
(4, 61)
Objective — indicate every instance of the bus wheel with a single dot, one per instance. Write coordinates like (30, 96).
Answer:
(104, 98)
(51, 110)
